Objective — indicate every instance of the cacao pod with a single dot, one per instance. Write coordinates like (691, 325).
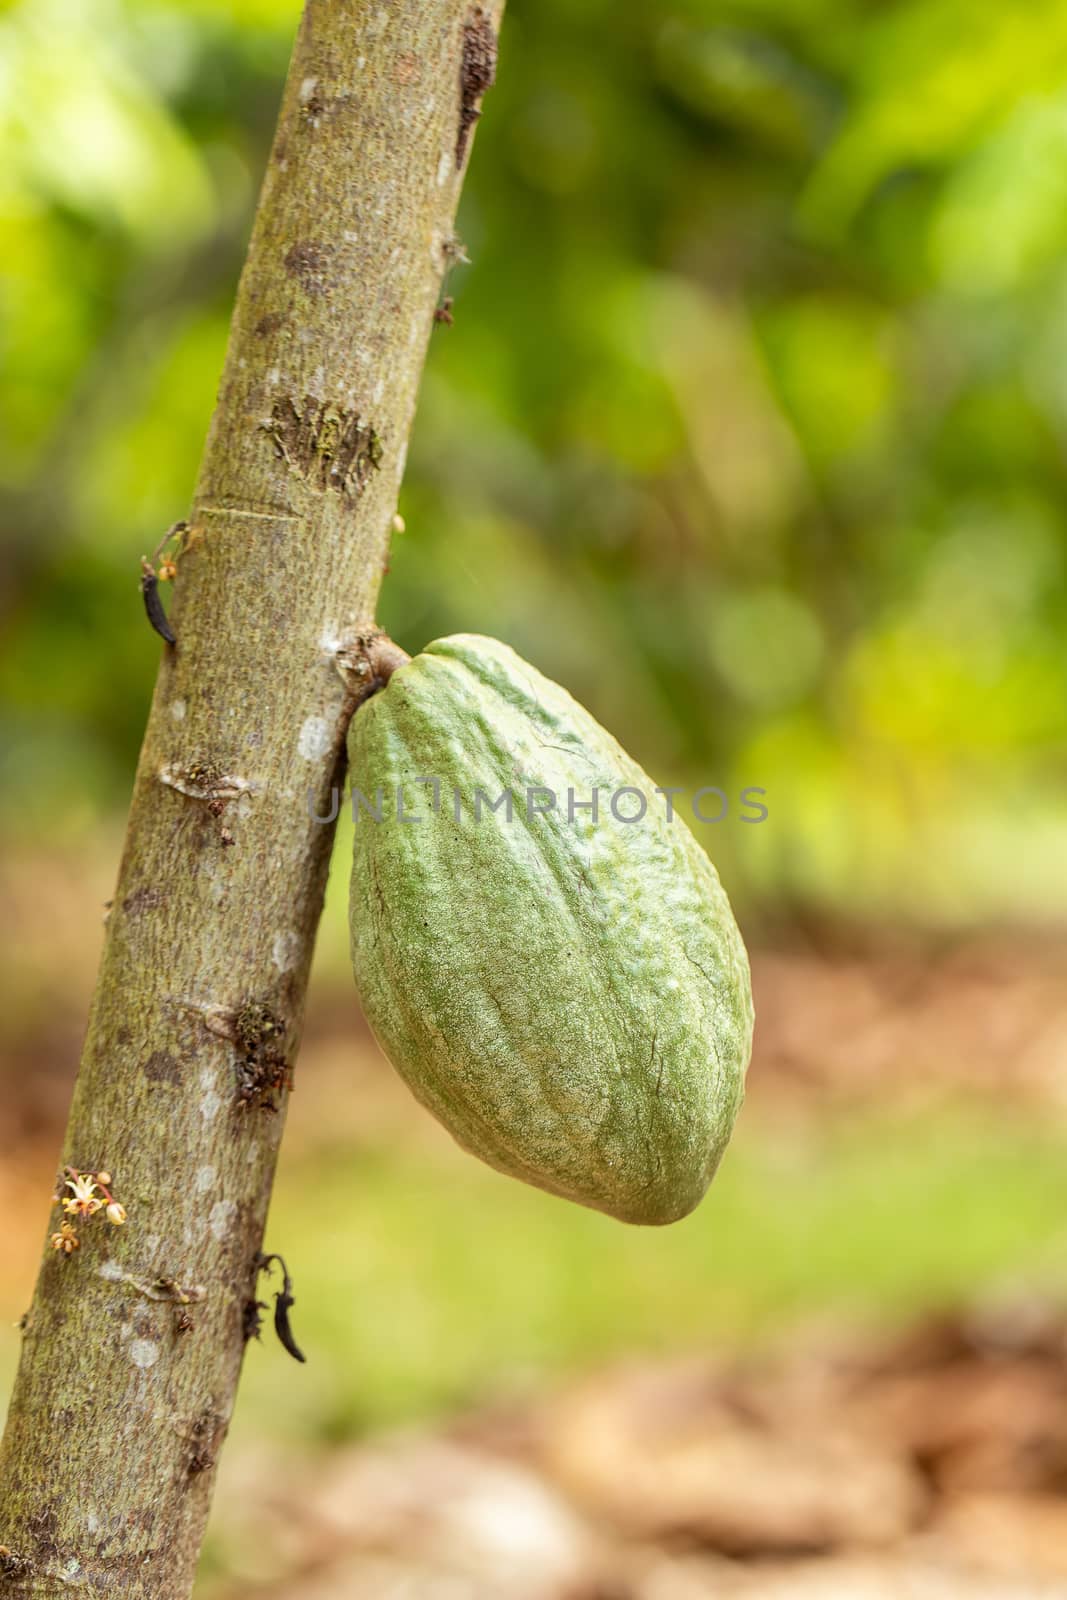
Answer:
(569, 997)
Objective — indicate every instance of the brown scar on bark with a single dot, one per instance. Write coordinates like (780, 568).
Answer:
(252, 1317)
(204, 780)
(163, 1288)
(264, 1072)
(308, 263)
(269, 323)
(257, 1033)
(12, 1565)
(477, 74)
(205, 1435)
(161, 1067)
(143, 899)
(329, 448)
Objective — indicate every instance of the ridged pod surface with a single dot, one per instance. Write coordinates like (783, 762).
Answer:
(571, 999)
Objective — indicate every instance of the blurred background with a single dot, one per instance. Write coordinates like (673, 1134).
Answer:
(752, 430)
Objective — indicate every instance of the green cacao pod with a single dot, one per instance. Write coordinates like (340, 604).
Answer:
(568, 995)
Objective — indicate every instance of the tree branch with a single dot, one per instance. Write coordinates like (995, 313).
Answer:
(126, 1383)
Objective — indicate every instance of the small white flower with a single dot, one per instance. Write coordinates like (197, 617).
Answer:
(83, 1200)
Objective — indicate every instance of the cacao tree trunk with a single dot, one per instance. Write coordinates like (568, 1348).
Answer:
(133, 1344)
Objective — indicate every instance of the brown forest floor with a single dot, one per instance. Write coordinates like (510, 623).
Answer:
(930, 1466)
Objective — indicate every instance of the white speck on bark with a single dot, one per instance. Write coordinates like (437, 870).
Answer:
(178, 710)
(144, 1353)
(210, 1101)
(111, 1271)
(205, 1177)
(286, 950)
(314, 740)
(444, 168)
(221, 1219)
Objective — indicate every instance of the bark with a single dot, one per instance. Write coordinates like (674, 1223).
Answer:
(133, 1345)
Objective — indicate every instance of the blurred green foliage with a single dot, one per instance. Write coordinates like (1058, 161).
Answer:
(751, 428)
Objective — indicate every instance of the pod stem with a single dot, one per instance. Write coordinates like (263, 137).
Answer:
(367, 664)
(385, 657)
